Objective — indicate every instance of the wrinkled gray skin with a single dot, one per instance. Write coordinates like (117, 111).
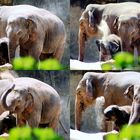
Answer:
(33, 101)
(111, 85)
(112, 13)
(133, 92)
(108, 47)
(39, 33)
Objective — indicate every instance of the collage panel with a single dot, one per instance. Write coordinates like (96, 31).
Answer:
(102, 103)
(39, 99)
(34, 34)
(103, 34)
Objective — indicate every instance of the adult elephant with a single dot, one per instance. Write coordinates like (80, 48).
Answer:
(92, 25)
(133, 92)
(33, 101)
(38, 32)
(111, 85)
(128, 29)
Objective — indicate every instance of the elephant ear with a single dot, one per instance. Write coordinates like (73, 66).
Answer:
(31, 24)
(129, 92)
(30, 102)
(91, 19)
(90, 89)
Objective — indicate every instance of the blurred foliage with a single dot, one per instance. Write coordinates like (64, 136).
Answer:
(123, 61)
(27, 133)
(29, 63)
(127, 133)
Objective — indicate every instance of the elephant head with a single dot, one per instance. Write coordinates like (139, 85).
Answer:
(128, 30)
(18, 30)
(133, 92)
(17, 99)
(89, 21)
(85, 96)
(86, 86)
(88, 27)
(108, 47)
(4, 51)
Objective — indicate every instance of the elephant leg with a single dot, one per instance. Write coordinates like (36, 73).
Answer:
(135, 116)
(36, 49)
(138, 49)
(79, 108)
(107, 126)
(12, 51)
(23, 52)
(59, 52)
(44, 56)
(34, 119)
(54, 123)
(20, 120)
(82, 39)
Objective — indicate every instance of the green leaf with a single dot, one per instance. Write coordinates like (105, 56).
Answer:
(27, 133)
(124, 60)
(50, 64)
(20, 133)
(24, 63)
(112, 137)
(106, 67)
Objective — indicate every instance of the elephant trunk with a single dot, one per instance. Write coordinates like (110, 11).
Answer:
(135, 116)
(79, 108)
(4, 95)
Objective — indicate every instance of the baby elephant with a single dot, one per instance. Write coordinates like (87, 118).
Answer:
(133, 93)
(118, 114)
(108, 47)
(33, 101)
(7, 122)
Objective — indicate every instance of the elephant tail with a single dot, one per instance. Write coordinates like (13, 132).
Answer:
(4, 95)
(62, 125)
